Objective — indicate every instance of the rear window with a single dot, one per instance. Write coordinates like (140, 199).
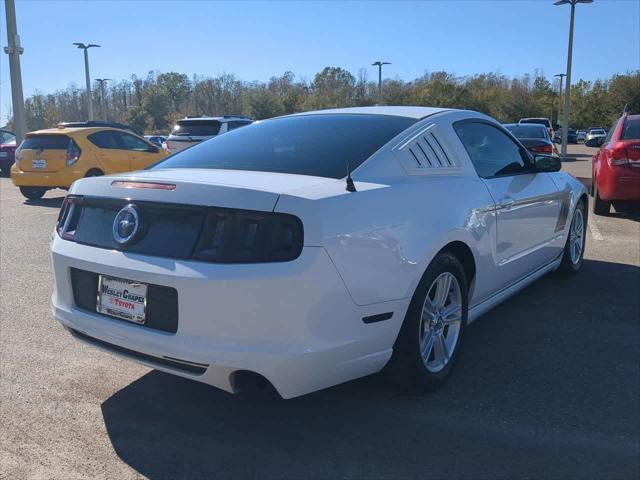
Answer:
(45, 142)
(631, 130)
(320, 145)
(540, 121)
(597, 132)
(7, 137)
(527, 131)
(196, 128)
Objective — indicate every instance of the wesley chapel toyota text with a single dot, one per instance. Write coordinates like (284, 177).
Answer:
(313, 249)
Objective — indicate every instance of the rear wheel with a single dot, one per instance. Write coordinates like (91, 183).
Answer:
(428, 344)
(94, 172)
(573, 255)
(600, 207)
(32, 192)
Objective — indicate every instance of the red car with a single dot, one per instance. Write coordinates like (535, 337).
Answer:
(616, 166)
(7, 151)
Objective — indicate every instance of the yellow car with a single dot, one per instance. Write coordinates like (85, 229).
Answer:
(57, 157)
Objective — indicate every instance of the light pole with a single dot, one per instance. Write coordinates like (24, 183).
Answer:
(379, 64)
(560, 76)
(86, 72)
(567, 88)
(102, 81)
(14, 50)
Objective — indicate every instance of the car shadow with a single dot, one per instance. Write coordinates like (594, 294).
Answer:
(55, 202)
(546, 387)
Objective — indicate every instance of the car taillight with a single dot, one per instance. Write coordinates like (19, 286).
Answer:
(542, 149)
(68, 217)
(622, 154)
(73, 152)
(245, 236)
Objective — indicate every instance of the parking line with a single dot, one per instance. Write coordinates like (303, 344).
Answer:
(595, 231)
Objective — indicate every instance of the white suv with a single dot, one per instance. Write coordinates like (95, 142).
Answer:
(192, 130)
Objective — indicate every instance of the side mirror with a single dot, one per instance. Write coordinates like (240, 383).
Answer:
(547, 163)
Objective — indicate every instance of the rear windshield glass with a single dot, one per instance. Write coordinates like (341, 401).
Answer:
(597, 132)
(527, 131)
(196, 128)
(631, 130)
(7, 137)
(540, 121)
(46, 142)
(320, 145)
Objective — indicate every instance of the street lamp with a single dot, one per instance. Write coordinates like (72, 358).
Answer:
(567, 89)
(14, 50)
(561, 76)
(86, 72)
(379, 64)
(102, 81)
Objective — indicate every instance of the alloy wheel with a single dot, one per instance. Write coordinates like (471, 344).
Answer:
(576, 237)
(440, 322)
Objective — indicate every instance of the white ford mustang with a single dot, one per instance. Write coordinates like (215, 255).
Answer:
(316, 248)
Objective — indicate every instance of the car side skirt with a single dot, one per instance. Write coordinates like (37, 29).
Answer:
(476, 311)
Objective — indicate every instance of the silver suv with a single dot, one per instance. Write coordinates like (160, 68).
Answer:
(191, 130)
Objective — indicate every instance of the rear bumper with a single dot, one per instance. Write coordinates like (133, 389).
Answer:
(293, 323)
(619, 183)
(62, 178)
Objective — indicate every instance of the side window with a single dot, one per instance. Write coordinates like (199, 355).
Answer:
(129, 142)
(491, 151)
(104, 139)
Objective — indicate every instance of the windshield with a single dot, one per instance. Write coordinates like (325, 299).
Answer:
(320, 145)
(527, 131)
(196, 128)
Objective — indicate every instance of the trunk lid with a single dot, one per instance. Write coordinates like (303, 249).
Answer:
(224, 188)
(43, 153)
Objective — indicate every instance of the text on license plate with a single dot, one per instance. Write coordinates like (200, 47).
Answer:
(122, 298)
(38, 164)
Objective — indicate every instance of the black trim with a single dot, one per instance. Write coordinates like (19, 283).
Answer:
(181, 365)
(380, 317)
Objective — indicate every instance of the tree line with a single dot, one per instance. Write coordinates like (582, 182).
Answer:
(155, 102)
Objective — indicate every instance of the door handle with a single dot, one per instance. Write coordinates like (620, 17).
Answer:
(506, 203)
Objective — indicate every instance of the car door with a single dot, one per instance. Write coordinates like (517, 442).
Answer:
(140, 152)
(528, 205)
(110, 155)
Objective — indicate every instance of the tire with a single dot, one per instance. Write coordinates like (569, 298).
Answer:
(32, 193)
(600, 207)
(410, 368)
(573, 254)
(94, 173)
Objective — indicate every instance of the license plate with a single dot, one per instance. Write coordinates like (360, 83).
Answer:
(3, 154)
(122, 299)
(38, 164)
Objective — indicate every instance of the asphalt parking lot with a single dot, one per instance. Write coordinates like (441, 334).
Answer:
(548, 386)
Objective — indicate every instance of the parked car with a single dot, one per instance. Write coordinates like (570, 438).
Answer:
(581, 135)
(572, 136)
(98, 123)
(7, 151)
(542, 121)
(616, 166)
(57, 157)
(158, 140)
(595, 137)
(192, 130)
(316, 248)
(534, 137)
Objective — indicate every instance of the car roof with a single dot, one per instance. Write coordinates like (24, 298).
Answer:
(220, 119)
(525, 125)
(398, 111)
(74, 130)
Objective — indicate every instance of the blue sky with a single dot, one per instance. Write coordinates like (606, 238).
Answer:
(256, 40)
